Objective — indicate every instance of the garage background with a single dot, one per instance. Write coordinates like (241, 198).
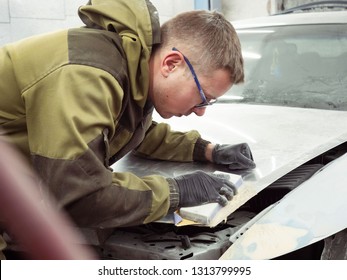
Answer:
(22, 18)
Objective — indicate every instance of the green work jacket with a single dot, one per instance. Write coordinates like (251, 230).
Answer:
(75, 101)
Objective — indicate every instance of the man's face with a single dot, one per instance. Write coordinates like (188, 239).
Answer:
(175, 92)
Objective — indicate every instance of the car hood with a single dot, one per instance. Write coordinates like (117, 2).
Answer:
(281, 139)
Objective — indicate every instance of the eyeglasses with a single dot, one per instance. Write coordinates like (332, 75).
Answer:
(204, 102)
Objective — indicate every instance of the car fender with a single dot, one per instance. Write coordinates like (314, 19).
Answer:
(313, 211)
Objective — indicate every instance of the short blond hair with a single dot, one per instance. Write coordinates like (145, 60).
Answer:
(208, 40)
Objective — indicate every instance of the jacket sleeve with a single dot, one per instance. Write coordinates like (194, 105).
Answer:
(67, 114)
(165, 144)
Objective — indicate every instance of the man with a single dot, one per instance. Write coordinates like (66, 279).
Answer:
(76, 101)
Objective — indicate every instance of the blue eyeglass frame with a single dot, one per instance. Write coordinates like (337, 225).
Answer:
(204, 102)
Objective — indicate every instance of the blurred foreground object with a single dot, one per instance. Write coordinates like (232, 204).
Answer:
(2, 247)
(31, 217)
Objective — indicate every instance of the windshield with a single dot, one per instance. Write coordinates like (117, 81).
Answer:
(302, 66)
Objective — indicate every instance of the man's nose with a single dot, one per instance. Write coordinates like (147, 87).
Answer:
(199, 111)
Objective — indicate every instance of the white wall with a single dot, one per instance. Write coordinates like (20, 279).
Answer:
(170, 8)
(22, 18)
(242, 9)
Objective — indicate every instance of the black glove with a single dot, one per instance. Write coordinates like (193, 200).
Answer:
(199, 188)
(235, 156)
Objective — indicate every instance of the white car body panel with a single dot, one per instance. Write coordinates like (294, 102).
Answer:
(280, 138)
(293, 19)
(313, 211)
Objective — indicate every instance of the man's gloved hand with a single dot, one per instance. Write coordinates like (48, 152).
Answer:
(199, 188)
(237, 156)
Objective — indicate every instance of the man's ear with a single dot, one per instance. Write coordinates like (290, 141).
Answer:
(170, 62)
